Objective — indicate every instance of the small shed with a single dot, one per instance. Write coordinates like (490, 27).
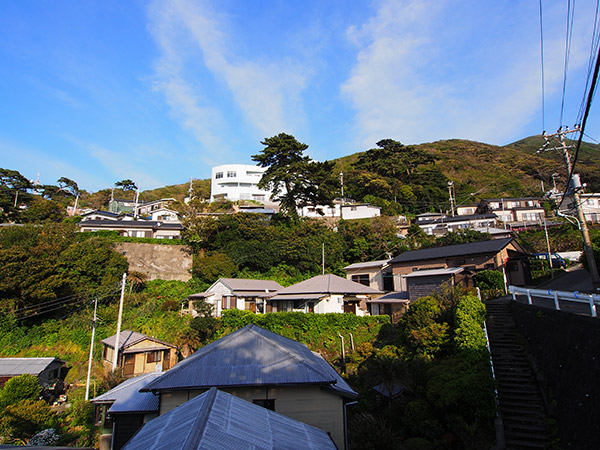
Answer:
(48, 370)
(138, 353)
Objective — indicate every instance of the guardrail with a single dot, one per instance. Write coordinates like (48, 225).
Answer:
(592, 299)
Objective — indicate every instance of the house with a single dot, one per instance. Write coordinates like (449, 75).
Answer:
(48, 370)
(394, 304)
(590, 204)
(498, 254)
(439, 225)
(121, 205)
(138, 353)
(135, 228)
(346, 211)
(235, 293)
(157, 210)
(236, 182)
(267, 369)
(218, 420)
(123, 410)
(376, 274)
(324, 294)
(514, 212)
(98, 214)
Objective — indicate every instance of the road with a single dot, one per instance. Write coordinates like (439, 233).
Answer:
(576, 279)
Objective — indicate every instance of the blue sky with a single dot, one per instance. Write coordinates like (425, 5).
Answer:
(161, 91)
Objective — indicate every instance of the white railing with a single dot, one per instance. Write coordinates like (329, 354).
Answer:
(576, 297)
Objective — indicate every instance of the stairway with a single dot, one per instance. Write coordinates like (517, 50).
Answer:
(521, 404)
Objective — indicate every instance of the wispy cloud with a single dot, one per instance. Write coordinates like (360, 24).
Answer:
(413, 82)
(265, 92)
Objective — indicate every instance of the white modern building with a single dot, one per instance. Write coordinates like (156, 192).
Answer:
(237, 182)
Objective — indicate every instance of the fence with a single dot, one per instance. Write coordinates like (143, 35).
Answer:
(576, 297)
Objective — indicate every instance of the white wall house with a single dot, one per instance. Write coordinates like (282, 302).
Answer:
(237, 182)
(347, 211)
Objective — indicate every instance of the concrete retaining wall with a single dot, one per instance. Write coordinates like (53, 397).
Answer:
(165, 262)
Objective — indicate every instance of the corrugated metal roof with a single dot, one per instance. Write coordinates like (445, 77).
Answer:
(327, 284)
(368, 264)
(217, 420)
(243, 284)
(126, 398)
(252, 356)
(434, 272)
(11, 367)
(392, 297)
(128, 338)
(494, 245)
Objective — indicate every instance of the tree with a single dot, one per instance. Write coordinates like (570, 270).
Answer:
(14, 191)
(294, 179)
(392, 159)
(126, 185)
(68, 186)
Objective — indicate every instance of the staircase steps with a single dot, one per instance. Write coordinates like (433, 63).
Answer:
(521, 404)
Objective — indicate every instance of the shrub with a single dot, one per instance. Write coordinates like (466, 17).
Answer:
(23, 387)
(489, 280)
(21, 420)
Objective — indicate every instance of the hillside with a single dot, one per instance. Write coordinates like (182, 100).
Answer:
(478, 170)
(482, 170)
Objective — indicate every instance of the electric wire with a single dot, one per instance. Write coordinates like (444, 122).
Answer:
(568, 40)
(593, 50)
(542, 62)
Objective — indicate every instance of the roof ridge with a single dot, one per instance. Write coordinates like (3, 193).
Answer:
(292, 355)
(193, 439)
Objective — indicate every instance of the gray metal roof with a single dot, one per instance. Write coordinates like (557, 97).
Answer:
(460, 218)
(126, 398)
(392, 297)
(434, 272)
(12, 367)
(368, 264)
(217, 420)
(249, 285)
(252, 356)
(128, 338)
(99, 223)
(325, 284)
(491, 246)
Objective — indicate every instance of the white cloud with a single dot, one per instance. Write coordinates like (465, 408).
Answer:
(265, 92)
(425, 71)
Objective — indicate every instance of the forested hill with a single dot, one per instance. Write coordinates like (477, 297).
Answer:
(481, 170)
(478, 170)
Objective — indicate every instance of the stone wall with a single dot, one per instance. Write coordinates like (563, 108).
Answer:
(156, 261)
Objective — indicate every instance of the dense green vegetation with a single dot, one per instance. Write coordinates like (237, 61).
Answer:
(433, 376)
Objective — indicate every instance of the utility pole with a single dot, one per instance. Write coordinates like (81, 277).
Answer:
(116, 351)
(137, 196)
(87, 384)
(342, 183)
(573, 190)
(450, 186)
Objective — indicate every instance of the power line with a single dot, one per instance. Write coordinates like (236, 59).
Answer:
(542, 61)
(568, 40)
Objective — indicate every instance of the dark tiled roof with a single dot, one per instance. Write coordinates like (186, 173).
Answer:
(131, 224)
(463, 218)
(472, 248)
(252, 356)
(217, 420)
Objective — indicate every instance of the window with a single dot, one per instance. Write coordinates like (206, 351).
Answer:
(152, 357)
(218, 175)
(268, 403)
(362, 279)
(231, 174)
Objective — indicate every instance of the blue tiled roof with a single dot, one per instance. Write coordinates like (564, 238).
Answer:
(251, 356)
(217, 420)
(126, 398)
